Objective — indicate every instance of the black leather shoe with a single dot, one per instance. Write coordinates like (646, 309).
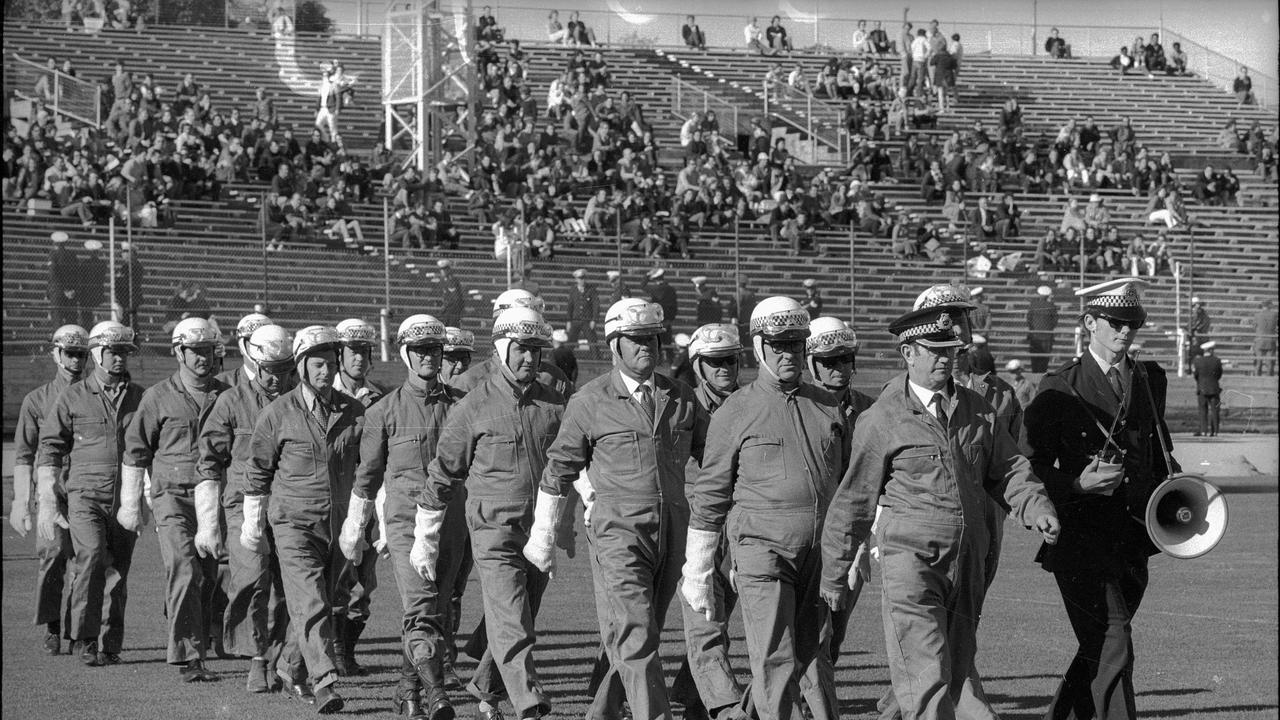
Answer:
(89, 653)
(195, 671)
(257, 681)
(450, 677)
(695, 711)
(493, 713)
(298, 691)
(408, 705)
(328, 700)
(52, 644)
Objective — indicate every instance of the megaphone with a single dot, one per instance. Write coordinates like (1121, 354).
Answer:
(1186, 516)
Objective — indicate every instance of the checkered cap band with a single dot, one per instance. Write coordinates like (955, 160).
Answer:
(359, 334)
(113, 336)
(531, 332)
(422, 333)
(942, 295)
(458, 339)
(69, 338)
(942, 325)
(832, 341)
(788, 321)
(1127, 299)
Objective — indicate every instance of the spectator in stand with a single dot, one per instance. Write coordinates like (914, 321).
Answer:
(1096, 214)
(1138, 258)
(1123, 62)
(1166, 206)
(1049, 254)
(555, 31)
(692, 34)
(861, 42)
(1177, 61)
(879, 39)
(487, 27)
(578, 32)
(1153, 56)
(1264, 339)
(1208, 187)
(919, 63)
(753, 37)
(188, 301)
(1056, 47)
(776, 36)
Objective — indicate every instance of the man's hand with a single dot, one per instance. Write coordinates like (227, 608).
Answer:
(833, 596)
(1048, 527)
(1101, 478)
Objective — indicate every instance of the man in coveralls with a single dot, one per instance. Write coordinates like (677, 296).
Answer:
(70, 352)
(256, 619)
(354, 582)
(400, 436)
(496, 443)
(550, 375)
(774, 453)
(248, 367)
(304, 451)
(633, 430)
(1091, 435)
(705, 683)
(84, 433)
(458, 346)
(163, 437)
(928, 452)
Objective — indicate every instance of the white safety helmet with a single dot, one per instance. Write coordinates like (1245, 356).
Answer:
(829, 336)
(314, 339)
(682, 340)
(250, 323)
(522, 325)
(715, 340)
(420, 329)
(71, 337)
(633, 316)
(111, 334)
(779, 318)
(357, 333)
(946, 294)
(194, 332)
(270, 347)
(517, 297)
(456, 339)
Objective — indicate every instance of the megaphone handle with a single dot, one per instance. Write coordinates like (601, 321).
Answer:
(1160, 425)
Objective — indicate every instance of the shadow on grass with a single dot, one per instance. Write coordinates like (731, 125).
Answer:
(1197, 712)
(1172, 692)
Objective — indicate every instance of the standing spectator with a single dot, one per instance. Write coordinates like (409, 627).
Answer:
(1042, 322)
(664, 296)
(64, 280)
(92, 282)
(905, 40)
(1242, 86)
(692, 34)
(919, 62)
(453, 299)
(583, 309)
(1207, 370)
(562, 355)
(1264, 338)
(708, 309)
(1198, 327)
(1023, 389)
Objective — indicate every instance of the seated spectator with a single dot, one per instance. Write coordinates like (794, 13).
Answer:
(955, 208)
(440, 231)
(555, 31)
(1073, 217)
(578, 33)
(1229, 188)
(879, 40)
(1112, 250)
(1208, 187)
(509, 241)
(1177, 61)
(188, 301)
(1123, 62)
(1242, 86)
(1158, 251)
(1008, 217)
(1137, 258)
(753, 36)
(1096, 213)
(1049, 253)
(1056, 47)
(982, 220)
(1166, 206)
(692, 34)
(1153, 56)
(1231, 138)
(334, 218)
(1088, 250)
(776, 36)
(861, 42)
(487, 27)
(931, 240)
(406, 229)
(933, 187)
(904, 238)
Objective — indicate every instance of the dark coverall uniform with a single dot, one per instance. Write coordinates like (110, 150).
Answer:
(53, 556)
(496, 442)
(771, 465)
(256, 619)
(308, 470)
(706, 678)
(84, 432)
(400, 436)
(933, 482)
(638, 523)
(1100, 560)
(163, 436)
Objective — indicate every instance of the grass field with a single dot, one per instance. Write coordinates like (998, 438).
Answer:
(1206, 638)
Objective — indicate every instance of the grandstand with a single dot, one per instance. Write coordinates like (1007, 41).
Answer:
(1236, 250)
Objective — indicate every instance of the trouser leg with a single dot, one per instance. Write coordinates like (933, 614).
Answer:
(420, 598)
(54, 559)
(188, 576)
(973, 703)
(304, 560)
(115, 586)
(1202, 402)
(768, 617)
(256, 619)
(88, 520)
(1215, 410)
(706, 675)
(813, 631)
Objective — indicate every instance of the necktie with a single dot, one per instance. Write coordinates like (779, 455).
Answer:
(321, 414)
(939, 403)
(1113, 376)
(645, 399)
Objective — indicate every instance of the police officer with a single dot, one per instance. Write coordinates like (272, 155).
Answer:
(84, 433)
(400, 436)
(304, 451)
(244, 330)
(459, 344)
(1091, 435)
(495, 443)
(1207, 369)
(163, 437)
(354, 581)
(774, 453)
(583, 309)
(705, 683)
(928, 452)
(636, 430)
(256, 619)
(549, 374)
(70, 352)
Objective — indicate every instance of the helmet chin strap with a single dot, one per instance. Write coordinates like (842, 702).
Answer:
(757, 347)
(58, 360)
(501, 348)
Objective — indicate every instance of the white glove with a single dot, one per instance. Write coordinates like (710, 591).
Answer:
(48, 517)
(875, 549)
(146, 494)
(351, 536)
(20, 513)
(426, 541)
(699, 559)
(588, 495)
(541, 548)
(255, 512)
(131, 490)
(380, 509)
(208, 530)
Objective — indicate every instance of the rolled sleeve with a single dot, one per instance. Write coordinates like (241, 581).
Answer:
(142, 434)
(570, 452)
(373, 453)
(26, 438)
(215, 443)
(264, 456)
(56, 435)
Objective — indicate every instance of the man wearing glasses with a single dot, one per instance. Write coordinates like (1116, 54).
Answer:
(84, 433)
(928, 453)
(635, 430)
(70, 352)
(774, 453)
(1091, 436)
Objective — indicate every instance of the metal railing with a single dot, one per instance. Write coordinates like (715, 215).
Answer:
(1222, 70)
(690, 98)
(797, 108)
(61, 93)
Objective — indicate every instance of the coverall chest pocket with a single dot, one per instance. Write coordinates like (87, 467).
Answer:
(404, 453)
(621, 452)
(918, 468)
(91, 431)
(761, 461)
(496, 453)
(177, 435)
(297, 460)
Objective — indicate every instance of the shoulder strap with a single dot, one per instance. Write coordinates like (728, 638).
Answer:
(1107, 434)
(1141, 370)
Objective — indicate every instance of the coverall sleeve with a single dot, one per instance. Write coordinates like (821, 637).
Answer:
(570, 452)
(1011, 480)
(56, 434)
(26, 438)
(701, 425)
(853, 508)
(143, 433)
(712, 493)
(373, 453)
(216, 436)
(264, 455)
(1041, 432)
(454, 451)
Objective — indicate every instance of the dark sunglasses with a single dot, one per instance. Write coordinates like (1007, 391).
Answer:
(794, 347)
(1119, 325)
(77, 354)
(834, 360)
(719, 362)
